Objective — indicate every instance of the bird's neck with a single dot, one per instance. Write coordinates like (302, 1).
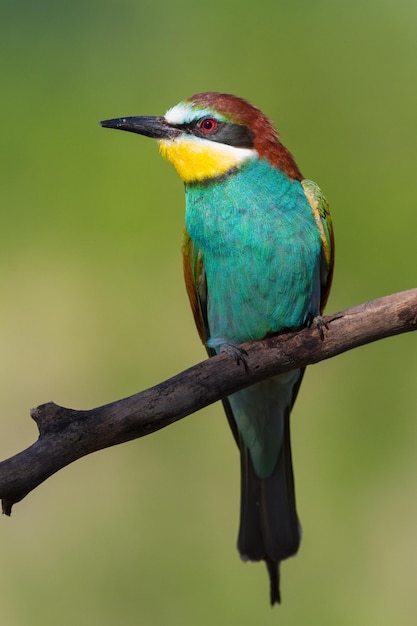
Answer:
(198, 160)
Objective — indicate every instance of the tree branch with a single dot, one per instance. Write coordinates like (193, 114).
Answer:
(66, 434)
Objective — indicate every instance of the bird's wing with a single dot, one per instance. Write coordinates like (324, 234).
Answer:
(195, 283)
(321, 212)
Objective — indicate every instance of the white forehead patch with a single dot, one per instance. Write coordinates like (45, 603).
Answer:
(180, 114)
(185, 112)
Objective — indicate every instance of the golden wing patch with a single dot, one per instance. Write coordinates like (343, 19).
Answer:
(321, 212)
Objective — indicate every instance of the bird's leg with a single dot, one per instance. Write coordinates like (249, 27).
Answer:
(319, 322)
(238, 354)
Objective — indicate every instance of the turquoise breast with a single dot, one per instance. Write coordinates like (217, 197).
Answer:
(261, 250)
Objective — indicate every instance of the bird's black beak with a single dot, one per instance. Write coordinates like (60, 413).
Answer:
(155, 127)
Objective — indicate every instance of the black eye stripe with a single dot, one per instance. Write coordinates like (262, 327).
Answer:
(231, 134)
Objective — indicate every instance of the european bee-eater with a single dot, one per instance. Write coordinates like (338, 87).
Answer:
(258, 260)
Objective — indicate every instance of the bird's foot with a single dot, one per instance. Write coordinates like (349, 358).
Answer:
(238, 354)
(320, 323)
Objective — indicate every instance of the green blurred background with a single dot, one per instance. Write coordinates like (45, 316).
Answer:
(93, 309)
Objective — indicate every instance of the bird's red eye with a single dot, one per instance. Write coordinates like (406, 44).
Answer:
(208, 124)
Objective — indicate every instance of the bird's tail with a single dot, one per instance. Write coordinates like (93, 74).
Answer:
(269, 527)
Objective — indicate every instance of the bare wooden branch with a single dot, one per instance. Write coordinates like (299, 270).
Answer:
(67, 434)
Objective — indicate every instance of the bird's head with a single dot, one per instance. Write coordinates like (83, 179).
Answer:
(210, 135)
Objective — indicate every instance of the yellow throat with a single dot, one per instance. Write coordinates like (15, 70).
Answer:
(196, 159)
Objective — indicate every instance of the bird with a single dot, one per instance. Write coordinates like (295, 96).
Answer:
(258, 258)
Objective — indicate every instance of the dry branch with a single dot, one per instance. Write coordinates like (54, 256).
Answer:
(66, 434)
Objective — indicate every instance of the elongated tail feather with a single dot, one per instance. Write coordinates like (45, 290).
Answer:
(269, 527)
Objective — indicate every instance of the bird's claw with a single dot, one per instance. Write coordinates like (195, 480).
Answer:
(320, 323)
(238, 354)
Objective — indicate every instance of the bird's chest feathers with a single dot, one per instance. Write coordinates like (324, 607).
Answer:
(197, 159)
(260, 247)
(248, 210)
